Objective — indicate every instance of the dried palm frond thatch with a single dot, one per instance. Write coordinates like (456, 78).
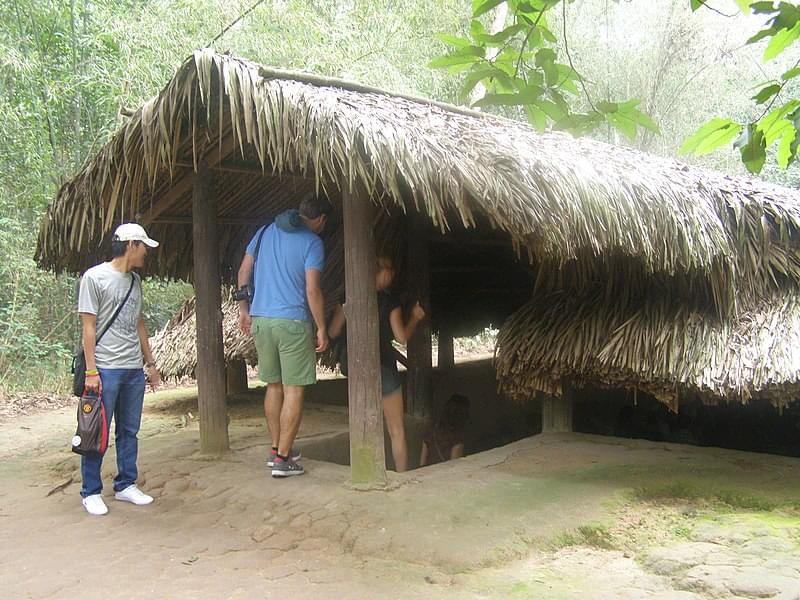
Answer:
(665, 348)
(556, 196)
(175, 346)
(682, 271)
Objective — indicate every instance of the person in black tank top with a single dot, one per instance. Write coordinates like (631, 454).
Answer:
(391, 326)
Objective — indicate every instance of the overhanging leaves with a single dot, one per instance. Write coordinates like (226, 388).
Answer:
(710, 136)
(753, 148)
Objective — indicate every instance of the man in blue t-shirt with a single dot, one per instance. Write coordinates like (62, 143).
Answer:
(287, 257)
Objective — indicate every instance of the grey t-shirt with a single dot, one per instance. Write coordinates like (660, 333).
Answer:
(102, 290)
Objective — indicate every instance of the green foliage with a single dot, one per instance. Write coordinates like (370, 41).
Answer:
(776, 125)
(162, 299)
(36, 318)
(518, 67)
(67, 67)
(717, 132)
(596, 536)
(693, 492)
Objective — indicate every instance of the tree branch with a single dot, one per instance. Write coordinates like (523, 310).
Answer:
(569, 58)
(719, 12)
(525, 41)
(778, 93)
(234, 22)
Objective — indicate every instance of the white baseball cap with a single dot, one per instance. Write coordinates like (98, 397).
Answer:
(133, 232)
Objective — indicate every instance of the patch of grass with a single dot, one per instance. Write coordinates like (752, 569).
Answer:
(593, 535)
(682, 531)
(693, 492)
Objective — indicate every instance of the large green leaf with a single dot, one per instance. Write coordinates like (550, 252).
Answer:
(761, 35)
(781, 40)
(566, 79)
(536, 117)
(453, 40)
(527, 96)
(463, 56)
(721, 137)
(480, 7)
(624, 115)
(777, 131)
(753, 148)
(711, 128)
(499, 37)
(476, 29)
(787, 148)
(791, 74)
(551, 109)
(580, 124)
(623, 124)
(489, 75)
(766, 93)
(765, 6)
(768, 122)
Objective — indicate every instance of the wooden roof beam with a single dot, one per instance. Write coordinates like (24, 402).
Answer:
(214, 155)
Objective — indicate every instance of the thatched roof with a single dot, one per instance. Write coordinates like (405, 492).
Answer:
(573, 207)
(175, 346)
(556, 196)
(661, 347)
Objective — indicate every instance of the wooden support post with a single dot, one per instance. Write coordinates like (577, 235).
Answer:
(367, 458)
(420, 351)
(557, 412)
(236, 377)
(446, 351)
(210, 353)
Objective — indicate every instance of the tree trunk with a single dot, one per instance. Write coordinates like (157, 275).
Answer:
(367, 458)
(210, 353)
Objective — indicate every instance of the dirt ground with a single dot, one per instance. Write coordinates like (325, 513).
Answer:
(556, 516)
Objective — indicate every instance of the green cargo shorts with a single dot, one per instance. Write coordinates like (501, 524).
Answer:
(286, 351)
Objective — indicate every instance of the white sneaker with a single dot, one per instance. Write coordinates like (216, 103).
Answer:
(94, 505)
(133, 495)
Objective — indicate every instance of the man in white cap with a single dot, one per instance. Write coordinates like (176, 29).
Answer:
(114, 363)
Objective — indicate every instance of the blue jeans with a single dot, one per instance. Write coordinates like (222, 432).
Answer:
(123, 396)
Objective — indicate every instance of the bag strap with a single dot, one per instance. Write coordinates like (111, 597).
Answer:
(116, 312)
(257, 250)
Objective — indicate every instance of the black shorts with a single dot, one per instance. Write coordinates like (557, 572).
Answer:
(390, 380)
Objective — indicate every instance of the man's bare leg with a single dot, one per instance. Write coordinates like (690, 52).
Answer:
(273, 404)
(290, 417)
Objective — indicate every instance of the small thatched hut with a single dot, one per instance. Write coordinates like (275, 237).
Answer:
(636, 270)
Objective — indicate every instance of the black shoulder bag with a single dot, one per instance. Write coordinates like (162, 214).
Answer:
(79, 360)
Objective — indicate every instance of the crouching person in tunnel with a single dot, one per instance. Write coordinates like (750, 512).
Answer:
(444, 439)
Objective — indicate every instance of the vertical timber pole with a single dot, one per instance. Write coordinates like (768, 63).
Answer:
(446, 351)
(420, 351)
(557, 412)
(210, 353)
(367, 459)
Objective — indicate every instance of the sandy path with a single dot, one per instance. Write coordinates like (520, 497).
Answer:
(481, 527)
